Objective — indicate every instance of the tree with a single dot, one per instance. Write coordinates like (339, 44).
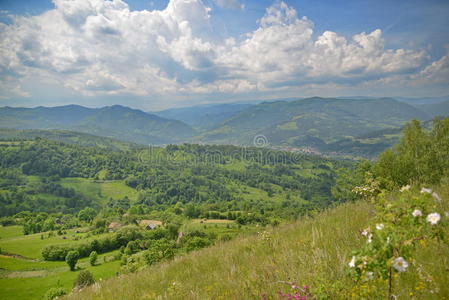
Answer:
(87, 214)
(71, 259)
(93, 258)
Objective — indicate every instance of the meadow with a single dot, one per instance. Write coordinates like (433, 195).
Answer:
(313, 251)
(25, 275)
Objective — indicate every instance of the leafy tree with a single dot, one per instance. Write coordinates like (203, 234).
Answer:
(87, 214)
(71, 259)
(93, 258)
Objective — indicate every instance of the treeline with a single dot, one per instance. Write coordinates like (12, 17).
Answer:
(112, 242)
(421, 157)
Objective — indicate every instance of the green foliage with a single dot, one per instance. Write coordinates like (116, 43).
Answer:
(93, 258)
(71, 259)
(101, 245)
(84, 279)
(421, 157)
(87, 214)
(403, 222)
(54, 293)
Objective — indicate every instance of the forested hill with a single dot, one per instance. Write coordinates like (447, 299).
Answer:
(116, 121)
(66, 136)
(227, 179)
(314, 121)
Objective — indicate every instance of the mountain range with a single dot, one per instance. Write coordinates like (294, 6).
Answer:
(116, 121)
(356, 126)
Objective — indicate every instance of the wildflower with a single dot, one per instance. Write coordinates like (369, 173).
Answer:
(405, 188)
(369, 275)
(417, 213)
(380, 226)
(365, 232)
(433, 218)
(436, 197)
(400, 264)
(351, 264)
(370, 238)
(446, 213)
(426, 191)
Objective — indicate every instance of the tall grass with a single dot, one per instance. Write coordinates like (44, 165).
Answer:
(313, 251)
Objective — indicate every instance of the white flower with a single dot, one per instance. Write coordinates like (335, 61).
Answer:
(380, 226)
(365, 232)
(388, 239)
(436, 197)
(369, 275)
(433, 218)
(400, 264)
(351, 264)
(405, 188)
(426, 190)
(446, 213)
(370, 238)
(417, 213)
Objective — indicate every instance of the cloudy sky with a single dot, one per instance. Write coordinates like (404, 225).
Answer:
(159, 54)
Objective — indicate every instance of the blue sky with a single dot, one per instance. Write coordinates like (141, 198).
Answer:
(158, 54)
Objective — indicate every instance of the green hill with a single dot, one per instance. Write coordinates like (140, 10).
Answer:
(71, 137)
(116, 122)
(203, 116)
(325, 120)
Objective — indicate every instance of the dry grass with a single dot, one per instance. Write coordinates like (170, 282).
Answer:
(313, 251)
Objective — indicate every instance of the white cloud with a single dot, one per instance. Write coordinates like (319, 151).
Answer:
(98, 47)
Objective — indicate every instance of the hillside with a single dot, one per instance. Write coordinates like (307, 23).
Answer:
(116, 121)
(71, 137)
(204, 116)
(313, 251)
(436, 109)
(314, 121)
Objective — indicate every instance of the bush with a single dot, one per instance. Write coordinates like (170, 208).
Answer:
(71, 259)
(85, 278)
(93, 258)
(54, 293)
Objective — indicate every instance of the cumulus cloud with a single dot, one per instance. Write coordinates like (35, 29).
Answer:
(98, 47)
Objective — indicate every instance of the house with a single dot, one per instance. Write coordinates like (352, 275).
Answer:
(114, 226)
(150, 224)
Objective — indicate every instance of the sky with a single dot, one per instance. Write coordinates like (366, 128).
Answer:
(160, 54)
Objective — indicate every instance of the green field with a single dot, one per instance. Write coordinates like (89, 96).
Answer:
(100, 190)
(23, 273)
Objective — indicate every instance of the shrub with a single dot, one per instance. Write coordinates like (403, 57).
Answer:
(93, 258)
(85, 278)
(71, 259)
(54, 293)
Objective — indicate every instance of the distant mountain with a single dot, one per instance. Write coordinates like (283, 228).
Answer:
(313, 121)
(203, 116)
(70, 137)
(436, 109)
(116, 121)
(423, 100)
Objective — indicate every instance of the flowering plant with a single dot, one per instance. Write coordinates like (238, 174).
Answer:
(402, 222)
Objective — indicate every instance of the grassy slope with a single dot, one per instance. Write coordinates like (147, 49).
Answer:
(310, 251)
(313, 251)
